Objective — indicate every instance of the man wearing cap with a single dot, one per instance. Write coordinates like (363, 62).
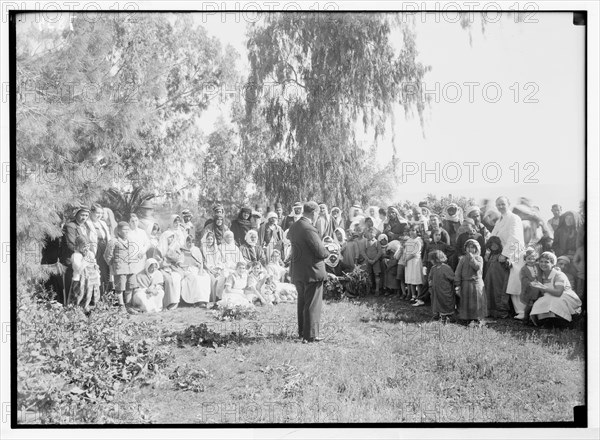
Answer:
(77, 227)
(307, 271)
(190, 229)
(293, 217)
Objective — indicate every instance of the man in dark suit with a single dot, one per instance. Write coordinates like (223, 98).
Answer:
(307, 270)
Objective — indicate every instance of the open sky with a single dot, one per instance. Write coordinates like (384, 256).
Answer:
(520, 123)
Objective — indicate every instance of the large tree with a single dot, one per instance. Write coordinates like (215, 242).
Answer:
(314, 80)
(108, 100)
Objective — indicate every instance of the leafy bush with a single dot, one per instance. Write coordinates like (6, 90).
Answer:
(187, 379)
(228, 312)
(358, 282)
(68, 361)
(333, 289)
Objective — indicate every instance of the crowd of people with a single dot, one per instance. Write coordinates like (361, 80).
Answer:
(475, 265)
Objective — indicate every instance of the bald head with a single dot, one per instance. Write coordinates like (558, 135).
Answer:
(502, 204)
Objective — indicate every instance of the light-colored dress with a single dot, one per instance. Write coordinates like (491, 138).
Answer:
(148, 293)
(550, 306)
(235, 296)
(414, 267)
(195, 284)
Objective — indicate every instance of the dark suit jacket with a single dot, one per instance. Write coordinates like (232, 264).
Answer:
(308, 253)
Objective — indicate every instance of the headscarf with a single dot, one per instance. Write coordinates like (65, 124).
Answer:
(458, 215)
(145, 279)
(212, 255)
(383, 237)
(470, 242)
(163, 242)
(247, 237)
(393, 246)
(334, 255)
(472, 209)
(494, 239)
(335, 239)
(351, 215)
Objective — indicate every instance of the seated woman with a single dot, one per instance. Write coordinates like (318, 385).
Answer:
(230, 252)
(171, 259)
(251, 251)
(148, 291)
(196, 282)
(559, 302)
(213, 261)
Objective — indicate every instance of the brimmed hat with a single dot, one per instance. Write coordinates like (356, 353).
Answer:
(298, 204)
(186, 212)
(271, 215)
(147, 204)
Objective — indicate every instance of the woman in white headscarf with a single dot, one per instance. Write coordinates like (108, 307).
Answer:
(251, 250)
(148, 291)
(453, 218)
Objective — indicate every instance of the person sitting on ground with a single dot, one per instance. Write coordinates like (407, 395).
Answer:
(527, 275)
(148, 290)
(559, 304)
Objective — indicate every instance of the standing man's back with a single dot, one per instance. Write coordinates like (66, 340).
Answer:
(307, 271)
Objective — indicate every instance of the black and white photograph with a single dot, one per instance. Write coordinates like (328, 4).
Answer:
(290, 216)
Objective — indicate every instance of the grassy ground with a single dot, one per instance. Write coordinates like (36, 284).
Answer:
(382, 361)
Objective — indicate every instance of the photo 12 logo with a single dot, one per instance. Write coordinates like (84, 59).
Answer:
(469, 172)
(56, 12)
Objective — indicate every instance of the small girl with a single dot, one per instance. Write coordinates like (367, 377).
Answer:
(441, 284)
(276, 268)
(527, 275)
(86, 275)
(400, 256)
(496, 272)
(252, 287)
(236, 282)
(389, 266)
(469, 284)
(413, 276)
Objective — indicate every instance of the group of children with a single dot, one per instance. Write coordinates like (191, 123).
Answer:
(467, 284)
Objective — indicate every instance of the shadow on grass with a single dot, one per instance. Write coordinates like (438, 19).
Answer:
(558, 333)
(203, 335)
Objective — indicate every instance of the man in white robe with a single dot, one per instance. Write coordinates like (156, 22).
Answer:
(509, 229)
